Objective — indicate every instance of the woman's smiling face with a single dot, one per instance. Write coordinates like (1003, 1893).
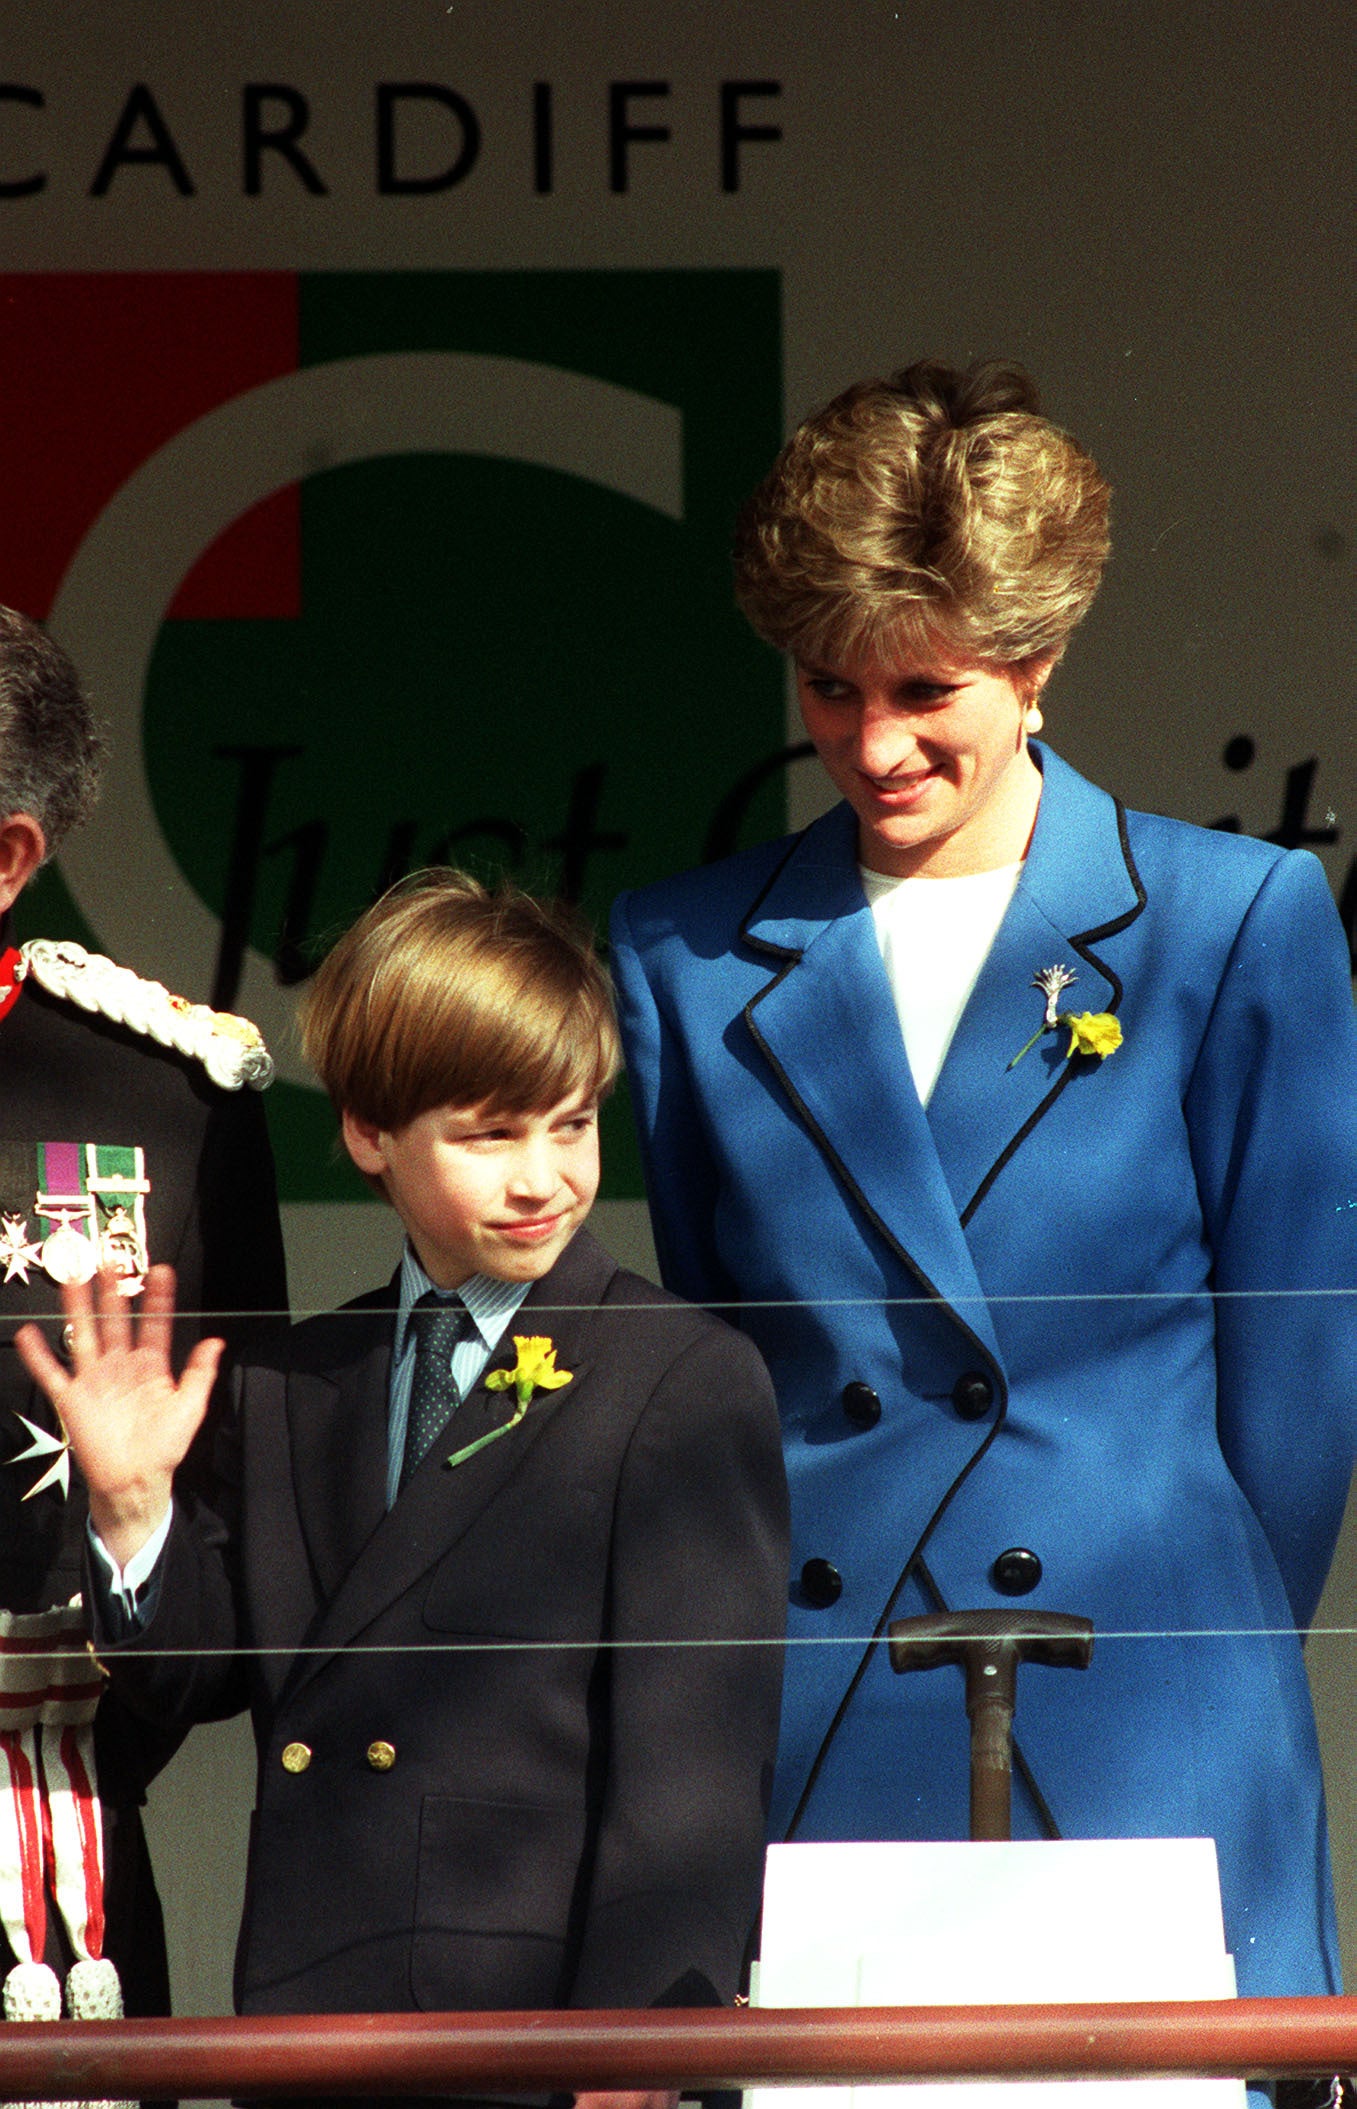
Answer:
(931, 755)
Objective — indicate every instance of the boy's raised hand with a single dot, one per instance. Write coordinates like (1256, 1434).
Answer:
(128, 1419)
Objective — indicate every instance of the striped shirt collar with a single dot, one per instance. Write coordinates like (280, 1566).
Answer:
(491, 1303)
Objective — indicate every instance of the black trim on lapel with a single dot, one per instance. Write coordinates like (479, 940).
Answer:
(1083, 945)
(827, 1149)
(917, 1566)
(791, 956)
(914, 1564)
(789, 953)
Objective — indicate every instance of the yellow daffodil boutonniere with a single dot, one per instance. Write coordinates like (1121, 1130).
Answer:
(1091, 1032)
(535, 1370)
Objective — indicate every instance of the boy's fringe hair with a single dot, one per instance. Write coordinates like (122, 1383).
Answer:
(445, 993)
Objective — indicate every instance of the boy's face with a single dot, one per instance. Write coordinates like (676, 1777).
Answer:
(486, 1192)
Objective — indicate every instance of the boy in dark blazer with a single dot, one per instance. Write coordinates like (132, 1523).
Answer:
(506, 1615)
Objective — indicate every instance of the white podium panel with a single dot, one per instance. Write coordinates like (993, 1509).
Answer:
(980, 1924)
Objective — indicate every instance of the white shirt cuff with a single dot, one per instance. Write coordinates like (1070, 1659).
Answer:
(126, 1583)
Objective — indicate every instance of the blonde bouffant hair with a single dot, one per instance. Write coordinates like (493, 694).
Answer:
(936, 510)
(446, 993)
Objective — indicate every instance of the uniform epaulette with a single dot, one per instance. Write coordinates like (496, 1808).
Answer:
(231, 1050)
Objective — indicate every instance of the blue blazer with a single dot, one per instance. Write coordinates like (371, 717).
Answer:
(1106, 1308)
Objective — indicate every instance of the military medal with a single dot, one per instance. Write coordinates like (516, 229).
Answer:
(117, 1179)
(90, 1211)
(69, 1251)
(42, 1443)
(93, 1195)
(16, 1248)
(70, 1208)
(120, 1251)
(67, 1254)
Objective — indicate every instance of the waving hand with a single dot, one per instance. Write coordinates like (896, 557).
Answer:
(130, 1421)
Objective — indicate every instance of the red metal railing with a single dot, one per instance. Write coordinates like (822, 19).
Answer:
(503, 2053)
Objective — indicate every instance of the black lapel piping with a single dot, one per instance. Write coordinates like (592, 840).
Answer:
(930, 1288)
(1083, 945)
(761, 944)
(791, 958)
(912, 1564)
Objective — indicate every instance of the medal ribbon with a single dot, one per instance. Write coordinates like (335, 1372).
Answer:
(60, 1176)
(70, 1240)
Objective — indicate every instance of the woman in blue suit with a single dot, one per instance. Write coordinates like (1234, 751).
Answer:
(1073, 1329)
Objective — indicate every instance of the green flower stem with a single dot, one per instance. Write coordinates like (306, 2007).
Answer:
(1042, 1028)
(459, 1457)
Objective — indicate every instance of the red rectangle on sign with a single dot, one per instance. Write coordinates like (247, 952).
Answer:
(97, 371)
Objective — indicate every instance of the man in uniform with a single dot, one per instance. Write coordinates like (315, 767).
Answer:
(128, 1134)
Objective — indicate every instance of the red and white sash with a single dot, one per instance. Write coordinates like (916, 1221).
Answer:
(51, 1838)
(50, 1835)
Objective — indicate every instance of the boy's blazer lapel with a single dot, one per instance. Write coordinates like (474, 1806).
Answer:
(440, 1504)
(1078, 887)
(337, 1432)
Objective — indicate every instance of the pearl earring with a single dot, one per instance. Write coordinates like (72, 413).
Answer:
(1032, 720)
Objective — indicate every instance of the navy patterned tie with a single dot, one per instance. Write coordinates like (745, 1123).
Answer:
(439, 1324)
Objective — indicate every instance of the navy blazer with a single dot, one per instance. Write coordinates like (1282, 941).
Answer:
(497, 1765)
(1106, 1307)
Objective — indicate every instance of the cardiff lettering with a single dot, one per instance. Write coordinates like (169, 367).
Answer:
(426, 138)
